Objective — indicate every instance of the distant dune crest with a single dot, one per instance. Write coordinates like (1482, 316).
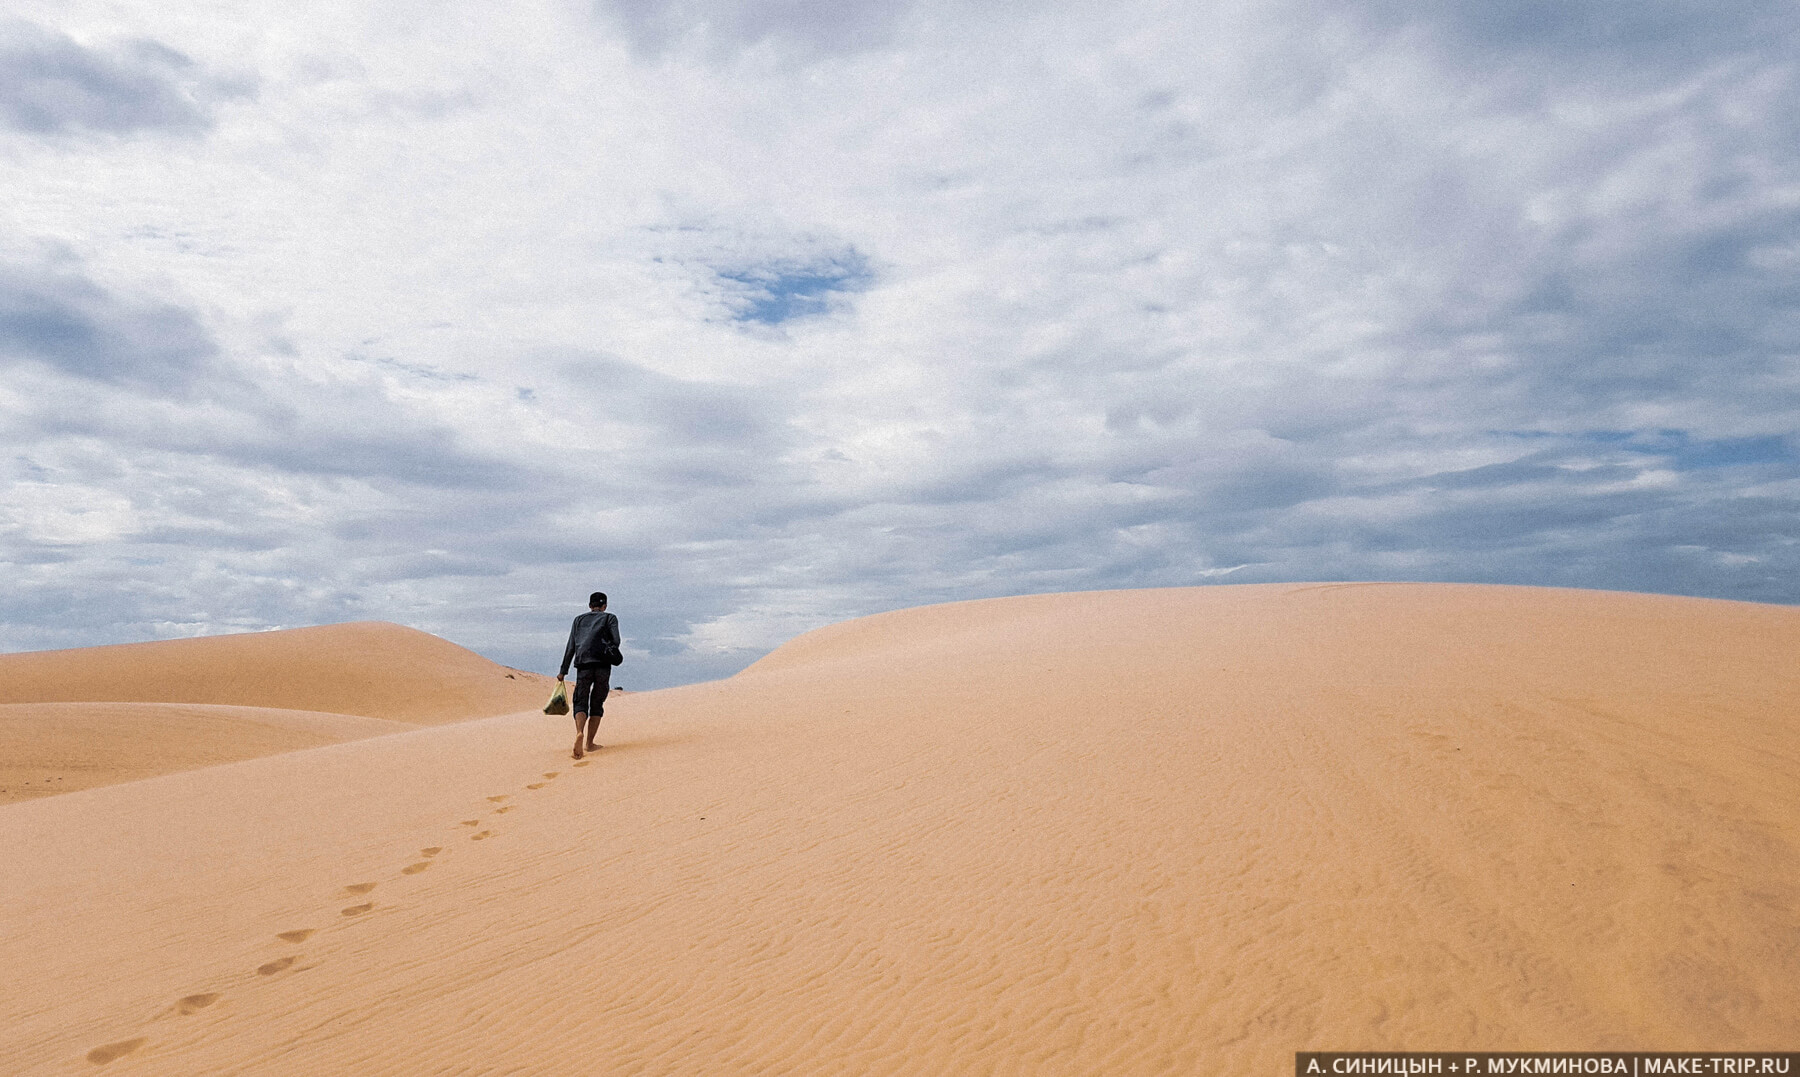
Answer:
(371, 668)
(73, 719)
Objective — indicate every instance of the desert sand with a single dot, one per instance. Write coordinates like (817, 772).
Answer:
(75, 719)
(1182, 831)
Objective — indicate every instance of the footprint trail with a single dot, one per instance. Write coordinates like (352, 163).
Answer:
(192, 1004)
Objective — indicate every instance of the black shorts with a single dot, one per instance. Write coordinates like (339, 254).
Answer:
(591, 685)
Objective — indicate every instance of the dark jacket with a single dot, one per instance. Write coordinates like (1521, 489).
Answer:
(590, 637)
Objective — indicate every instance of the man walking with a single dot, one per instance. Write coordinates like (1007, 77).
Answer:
(594, 649)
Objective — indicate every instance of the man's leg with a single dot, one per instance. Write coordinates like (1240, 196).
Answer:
(578, 702)
(590, 694)
(602, 684)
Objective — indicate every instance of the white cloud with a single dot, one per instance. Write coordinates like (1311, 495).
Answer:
(52, 85)
(762, 316)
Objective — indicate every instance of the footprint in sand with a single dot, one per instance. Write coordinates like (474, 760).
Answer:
(274, 966)
(195, 1003)
(100, 1056)
(583, 763)
(482, 835)
(537, 785)
(470, 822)
(551, 773)
(358, 910)
(503, 811)
(414, 869)
(300, 935)
(498, 799)
(432, 851)
(359, 888)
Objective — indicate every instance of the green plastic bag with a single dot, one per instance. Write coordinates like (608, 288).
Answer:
(559, 700)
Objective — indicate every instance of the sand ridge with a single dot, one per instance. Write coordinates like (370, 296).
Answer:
(75, 719)
(50, 748)
(1209, 829)
(368, 668)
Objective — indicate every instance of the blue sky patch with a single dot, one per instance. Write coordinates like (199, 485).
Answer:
(778, 292)
(1730, 452)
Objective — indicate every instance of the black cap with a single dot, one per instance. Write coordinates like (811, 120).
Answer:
(598, 598)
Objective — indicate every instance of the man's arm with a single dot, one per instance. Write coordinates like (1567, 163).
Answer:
(569, 651)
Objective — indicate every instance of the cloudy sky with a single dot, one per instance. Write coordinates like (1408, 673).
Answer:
(763, 314)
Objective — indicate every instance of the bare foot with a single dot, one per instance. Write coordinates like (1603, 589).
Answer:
(592, 747)
(578, 752)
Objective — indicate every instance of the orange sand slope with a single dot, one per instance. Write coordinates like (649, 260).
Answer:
(1187, 831)
(371, 668)
(99, 715)
(49, 748)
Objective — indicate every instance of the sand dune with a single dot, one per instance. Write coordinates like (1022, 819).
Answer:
(370, 668)
(50, 748)
(1185, 831)
(76, 719)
